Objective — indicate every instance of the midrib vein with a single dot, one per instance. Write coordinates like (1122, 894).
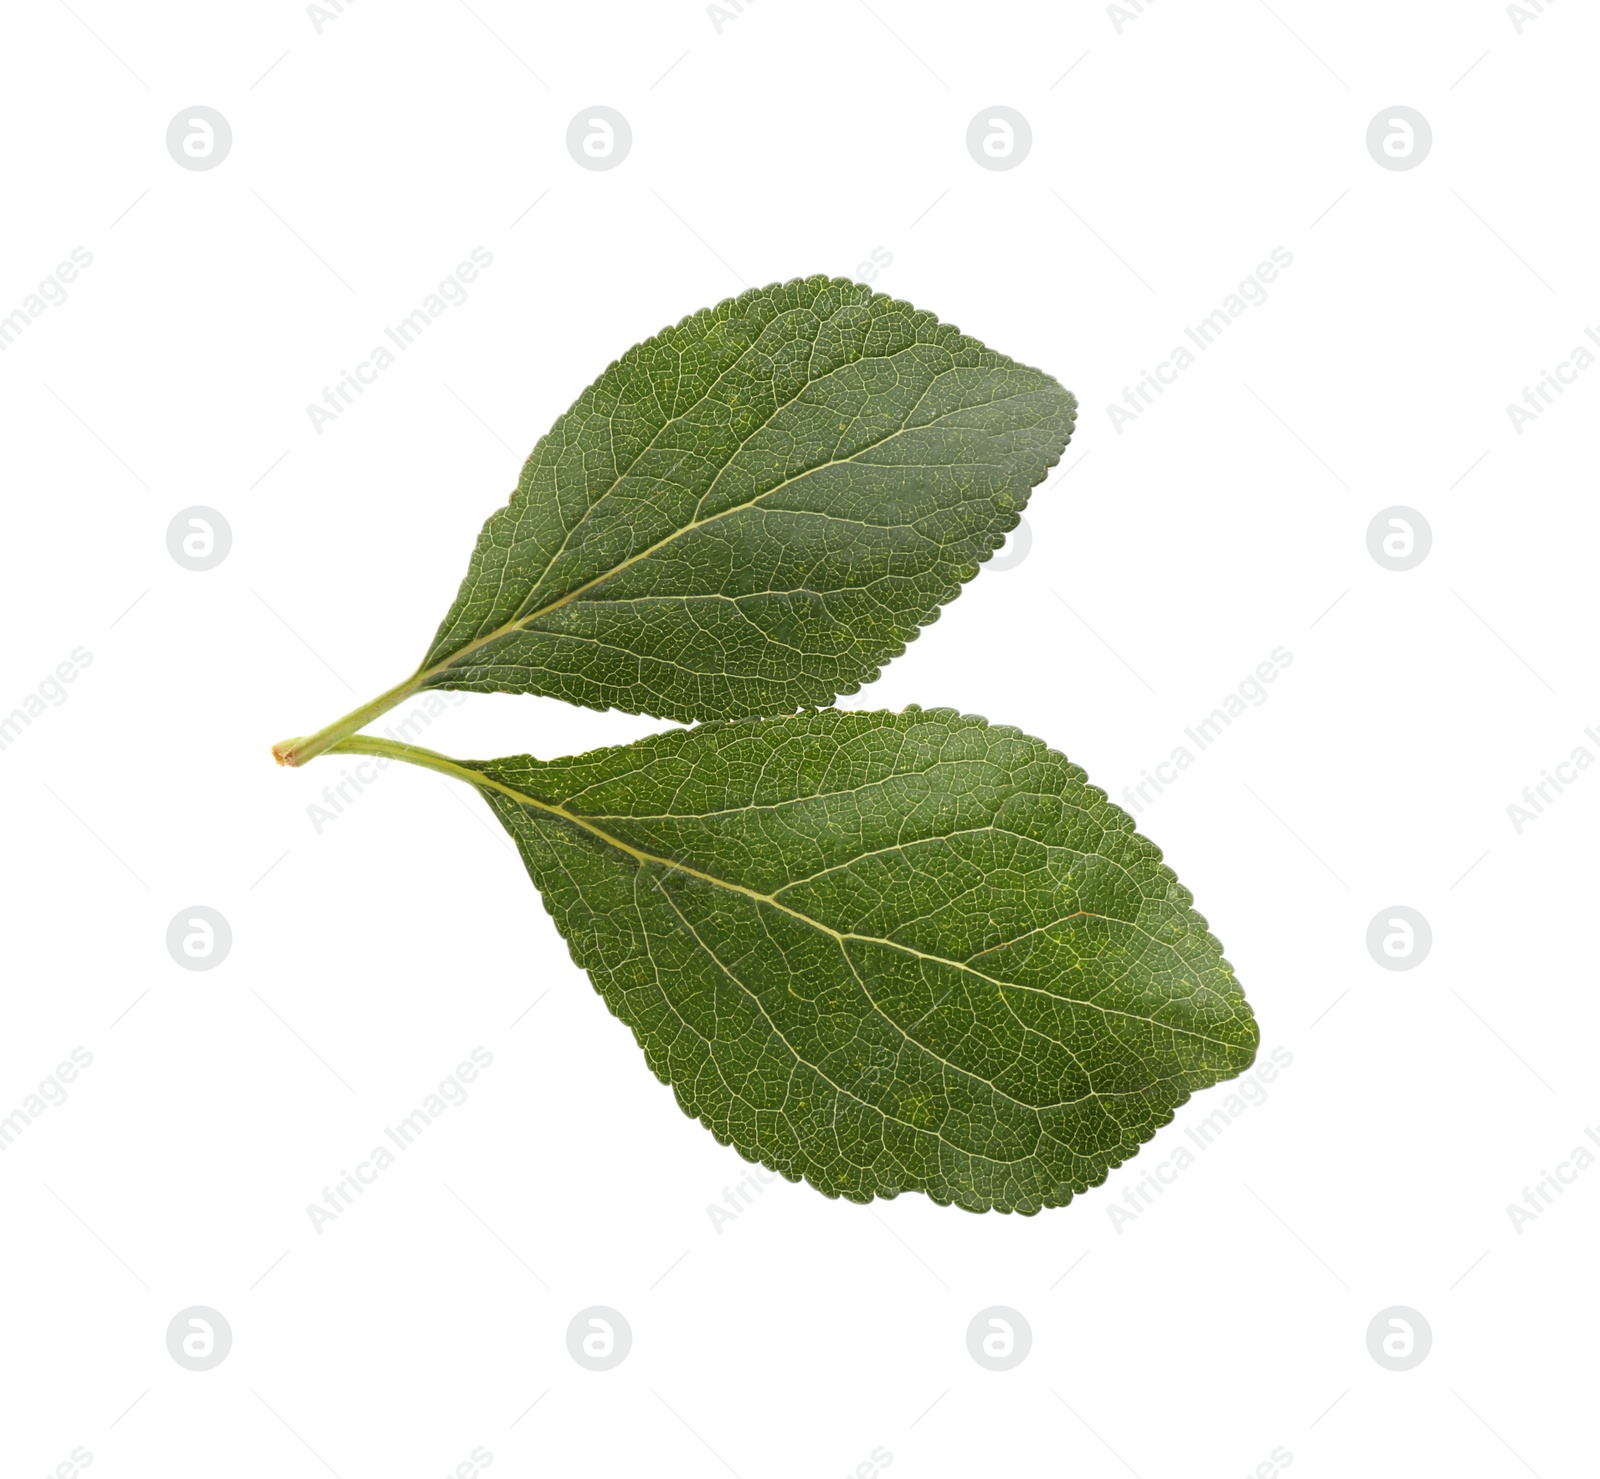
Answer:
(487, 782)
(522, 623)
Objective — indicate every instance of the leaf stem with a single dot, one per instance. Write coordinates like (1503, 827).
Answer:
(298, 751)
(387, 749)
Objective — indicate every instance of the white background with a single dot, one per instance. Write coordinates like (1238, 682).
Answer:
(1168, 558)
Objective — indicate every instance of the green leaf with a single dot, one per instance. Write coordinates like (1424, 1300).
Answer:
(883, 952)
(752, 511)
(748, 514)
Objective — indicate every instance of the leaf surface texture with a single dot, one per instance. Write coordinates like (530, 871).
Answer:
(884, 952)
(754, 510)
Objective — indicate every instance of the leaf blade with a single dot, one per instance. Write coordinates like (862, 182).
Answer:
(884, 952)
(752, 511)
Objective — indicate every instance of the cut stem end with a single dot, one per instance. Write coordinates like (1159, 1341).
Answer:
(297, 751)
